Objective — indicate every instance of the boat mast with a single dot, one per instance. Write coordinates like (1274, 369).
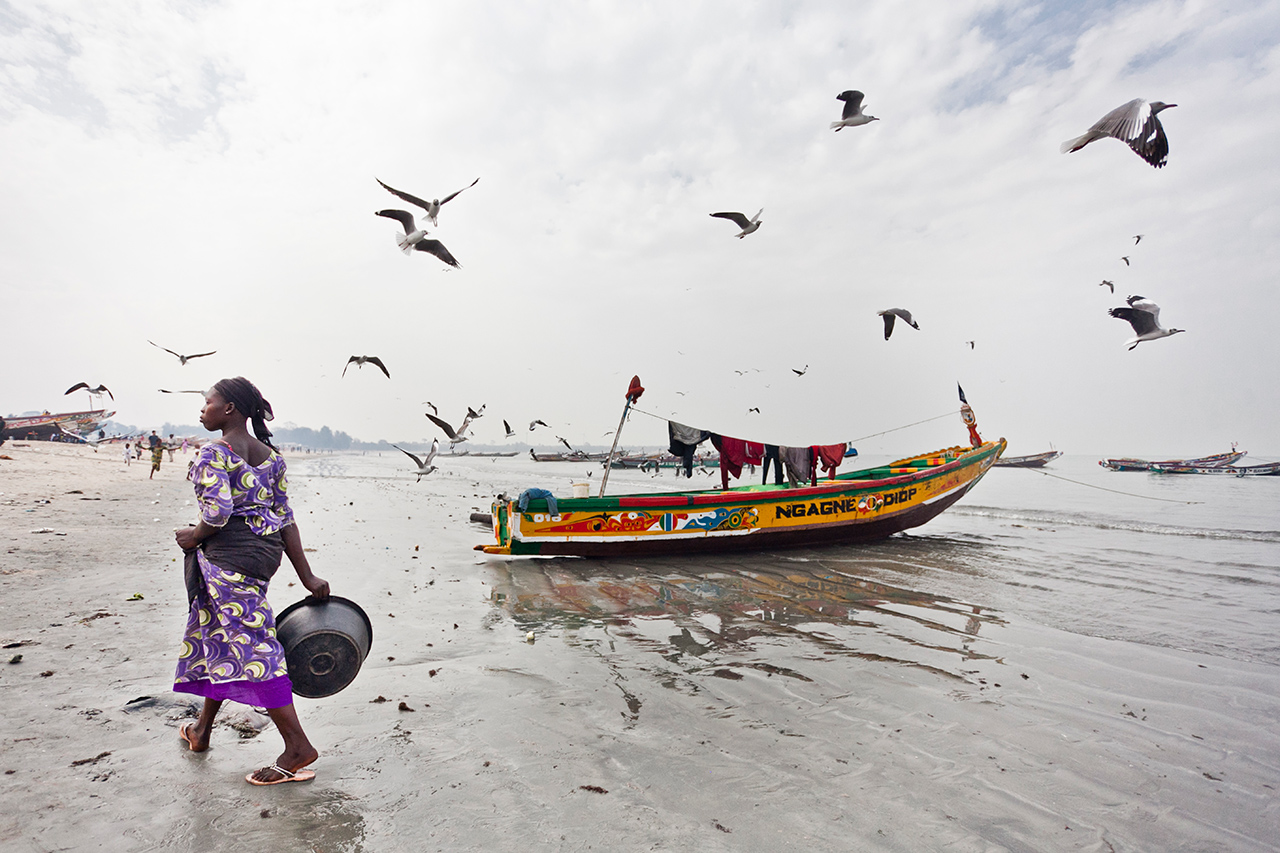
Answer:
(634, 390)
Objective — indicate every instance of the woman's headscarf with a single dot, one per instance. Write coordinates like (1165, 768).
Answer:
(249, 402)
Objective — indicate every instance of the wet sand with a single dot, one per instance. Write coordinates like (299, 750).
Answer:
(829, 700)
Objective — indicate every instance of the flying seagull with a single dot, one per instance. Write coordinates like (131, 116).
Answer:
(800, 372)
(431, 207)
(565, 443)
(472, 414)
(167, 391)
(362, 360)
(424, 465)
(852, 115)
(1137, 238)
(969, 344)
(890, 314)
(747, 225)
(1108, 283)
(535, 423)
(1135, 124)
(93, 392)
(414, 239)
(1144, 316)
(432, 405)
(455, 436)
(1125, 258)
(755, 409)
(182, 358)
(510, 432)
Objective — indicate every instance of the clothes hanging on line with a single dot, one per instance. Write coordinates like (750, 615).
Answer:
(771, 454)
(683, 441)
(734, 453)
(799, 462)
(830, 456)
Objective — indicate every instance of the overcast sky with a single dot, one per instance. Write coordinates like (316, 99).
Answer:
(202, 175)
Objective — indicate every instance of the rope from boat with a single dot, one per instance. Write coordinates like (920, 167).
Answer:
(851, 441)
(1113, 491)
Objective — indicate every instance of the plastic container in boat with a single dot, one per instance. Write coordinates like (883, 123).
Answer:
(325, 642)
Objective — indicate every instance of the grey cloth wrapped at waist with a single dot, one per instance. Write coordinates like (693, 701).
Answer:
(234, 548)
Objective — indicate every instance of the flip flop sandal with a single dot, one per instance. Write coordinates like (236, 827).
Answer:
(285, 776)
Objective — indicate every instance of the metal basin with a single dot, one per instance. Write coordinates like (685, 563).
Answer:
(325, 642)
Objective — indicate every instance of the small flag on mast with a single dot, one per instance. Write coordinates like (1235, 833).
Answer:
(961, 390)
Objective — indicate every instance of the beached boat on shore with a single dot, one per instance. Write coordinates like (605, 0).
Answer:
(1035, 460)
(656, 461)
(571, 456)
(858, 506)
(1215, 461)
(46, 426)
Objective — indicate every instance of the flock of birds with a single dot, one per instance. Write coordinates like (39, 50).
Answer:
(1135, 123)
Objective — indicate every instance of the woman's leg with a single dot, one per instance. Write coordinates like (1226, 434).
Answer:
(198, 732)
(298, 751)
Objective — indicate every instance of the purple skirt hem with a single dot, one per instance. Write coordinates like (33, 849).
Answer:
(274, 693)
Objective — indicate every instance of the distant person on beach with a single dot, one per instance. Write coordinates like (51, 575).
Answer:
(170, 445)
(230, 650)
(157, 454)
(128, 455)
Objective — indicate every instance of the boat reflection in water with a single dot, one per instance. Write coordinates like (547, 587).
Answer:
(773, 613)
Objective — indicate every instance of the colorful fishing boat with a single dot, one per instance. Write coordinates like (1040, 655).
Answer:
(1035, 460)
(1268, 469)
(1214, 461)
(858, 506)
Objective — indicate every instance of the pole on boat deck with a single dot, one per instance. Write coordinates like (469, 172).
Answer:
(634, 390)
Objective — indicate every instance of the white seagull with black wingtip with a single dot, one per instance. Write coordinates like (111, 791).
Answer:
(431, 207)
(748, 226)
(852, 115)
(1135, 124)
(424, 465)
(415, 239)
(889, 314)
(1144, 316)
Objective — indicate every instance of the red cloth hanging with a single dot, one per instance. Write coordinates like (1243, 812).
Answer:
(830, 456)
(734, 453)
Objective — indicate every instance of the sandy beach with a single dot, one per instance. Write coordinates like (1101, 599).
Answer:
(895, 697)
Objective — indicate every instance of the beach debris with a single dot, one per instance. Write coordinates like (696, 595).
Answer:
(415, 239)
(1136, 125)
(404, 706)
(94, 760)
(891, 314)
(529, 637)
(46, 673)
(852, 116)
(43, 530)
(16, 658)
(595, 789)
(19, 644)
(362, 360)
(1144, 316)
(137, 596)
(424, 465)
(265, 813)
(182, 358)
(748, 226)
(432, 207)
(718, 826)
(378, 701)
(431, 673)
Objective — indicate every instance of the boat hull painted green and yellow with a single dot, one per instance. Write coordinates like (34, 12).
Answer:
(859, 506)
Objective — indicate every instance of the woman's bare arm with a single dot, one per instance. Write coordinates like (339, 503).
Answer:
(318, 587)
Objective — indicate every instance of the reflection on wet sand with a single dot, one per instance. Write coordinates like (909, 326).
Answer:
(750, 614)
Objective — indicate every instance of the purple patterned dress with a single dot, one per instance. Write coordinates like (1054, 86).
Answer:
(230, 650)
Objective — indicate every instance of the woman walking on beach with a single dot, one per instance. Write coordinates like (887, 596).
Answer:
(230, 650)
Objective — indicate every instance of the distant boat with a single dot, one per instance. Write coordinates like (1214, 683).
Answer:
(859, 506)
(1215, 461)
(1268, 469)
(1035, 460)
(572, 456)
(654, 461)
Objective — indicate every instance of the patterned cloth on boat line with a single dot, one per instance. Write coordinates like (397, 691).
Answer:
(522, 503)
(734, 453)
(830, 456)
(800, 465)
(230, 650)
